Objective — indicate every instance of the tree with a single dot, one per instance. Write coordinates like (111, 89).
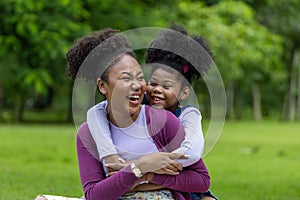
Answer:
(246, 53)
(37, 35)
(284, 19)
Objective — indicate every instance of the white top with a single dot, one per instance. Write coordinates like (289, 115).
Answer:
(99, 127)
(134, 141)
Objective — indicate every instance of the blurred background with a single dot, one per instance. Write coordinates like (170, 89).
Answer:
(256, 47)
(255, 43)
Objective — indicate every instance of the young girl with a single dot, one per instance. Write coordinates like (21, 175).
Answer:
(169, 84)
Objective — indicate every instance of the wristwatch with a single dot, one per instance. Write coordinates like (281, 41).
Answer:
(137, 172)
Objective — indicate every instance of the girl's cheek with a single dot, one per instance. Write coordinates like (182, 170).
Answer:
(147, 88)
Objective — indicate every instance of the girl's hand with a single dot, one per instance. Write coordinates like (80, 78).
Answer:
(117, 160)
(160, 162)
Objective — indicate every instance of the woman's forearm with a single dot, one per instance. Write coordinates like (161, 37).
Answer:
(95, 185)
(194, 178)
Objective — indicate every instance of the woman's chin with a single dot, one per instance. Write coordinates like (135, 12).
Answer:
(134, 110)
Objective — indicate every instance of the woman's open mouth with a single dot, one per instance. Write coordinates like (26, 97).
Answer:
(134, 99)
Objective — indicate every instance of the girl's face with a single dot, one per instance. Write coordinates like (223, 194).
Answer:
(164, 90)
(124, 89)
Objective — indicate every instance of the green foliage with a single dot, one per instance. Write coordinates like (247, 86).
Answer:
(130, 14)
(37, 35)
(245, 51)
(248, 45)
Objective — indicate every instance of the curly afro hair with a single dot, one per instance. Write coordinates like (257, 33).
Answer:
(177, 38)
(96, 52)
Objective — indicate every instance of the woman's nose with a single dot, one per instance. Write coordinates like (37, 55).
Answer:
(136, 85)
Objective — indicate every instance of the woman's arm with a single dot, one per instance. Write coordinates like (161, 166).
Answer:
(194, 178)
(193, 142)
(94, 183)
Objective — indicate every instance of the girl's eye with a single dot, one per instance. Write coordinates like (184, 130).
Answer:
(153, 84)
(166, 87)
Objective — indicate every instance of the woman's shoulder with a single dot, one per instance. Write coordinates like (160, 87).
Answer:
(157, 112)
(157, 116)
(85, 139)
(84, 134)
(83, 129)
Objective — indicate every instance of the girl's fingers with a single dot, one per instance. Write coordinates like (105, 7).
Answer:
(116, 166)
(176, 166)
(175, 156)
(170, 172)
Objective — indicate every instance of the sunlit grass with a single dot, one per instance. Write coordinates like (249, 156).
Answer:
(250, 161)
(256, 161)
(38, 159)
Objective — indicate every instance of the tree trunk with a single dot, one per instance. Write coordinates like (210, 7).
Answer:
(257, 113)
(238, 110)
(20, 109)
(298, 87)
(70, 111)
(1, 101)
(289, 106)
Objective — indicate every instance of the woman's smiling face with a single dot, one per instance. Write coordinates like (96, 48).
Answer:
(125, 87)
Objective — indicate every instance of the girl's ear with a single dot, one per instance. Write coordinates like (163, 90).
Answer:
(185, 93)
(102, 86)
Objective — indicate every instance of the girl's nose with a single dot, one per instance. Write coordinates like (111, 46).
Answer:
(157, 89)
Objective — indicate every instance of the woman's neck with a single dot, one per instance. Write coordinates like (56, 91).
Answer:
(122, 120)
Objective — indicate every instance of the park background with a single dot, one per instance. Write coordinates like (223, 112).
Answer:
(256, 49)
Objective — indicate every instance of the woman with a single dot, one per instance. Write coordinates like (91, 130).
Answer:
(168, 85)
(143, 134)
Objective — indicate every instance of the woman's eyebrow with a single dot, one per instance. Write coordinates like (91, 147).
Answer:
(140, 72)
(126, 73)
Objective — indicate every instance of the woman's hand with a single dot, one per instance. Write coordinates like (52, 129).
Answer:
(159, 163)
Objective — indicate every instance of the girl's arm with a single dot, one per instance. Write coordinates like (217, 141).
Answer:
(194, 178)
(193, 142)
(99, 128)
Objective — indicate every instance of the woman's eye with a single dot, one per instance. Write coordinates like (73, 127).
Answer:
(125, 78)
(141, 78)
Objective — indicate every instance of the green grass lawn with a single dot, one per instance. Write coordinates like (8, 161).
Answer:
(250, 161)
(256, 161)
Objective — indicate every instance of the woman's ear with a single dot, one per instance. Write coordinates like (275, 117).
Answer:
(185, 93)
(101, 86)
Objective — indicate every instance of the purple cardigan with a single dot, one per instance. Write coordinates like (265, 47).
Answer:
(167, 135)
